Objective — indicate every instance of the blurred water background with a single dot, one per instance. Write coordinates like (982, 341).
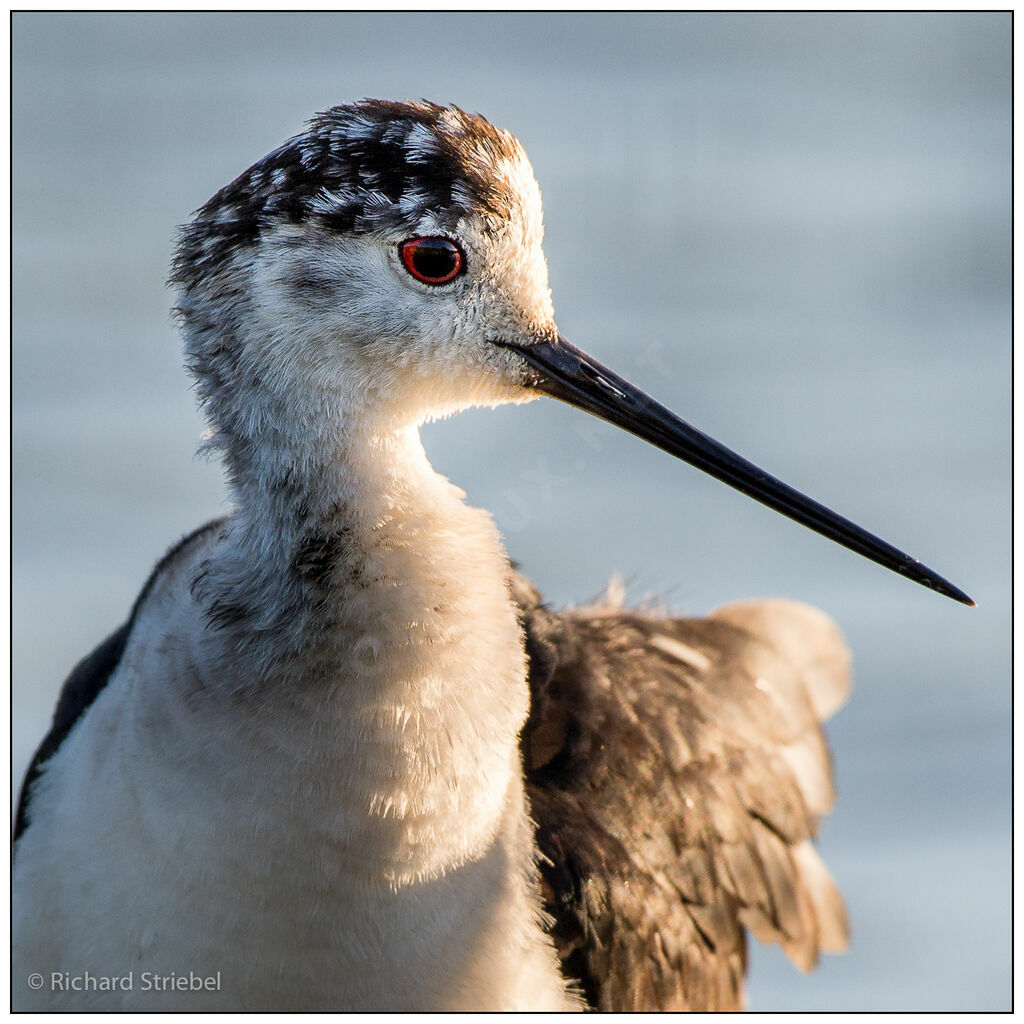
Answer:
(792, 229)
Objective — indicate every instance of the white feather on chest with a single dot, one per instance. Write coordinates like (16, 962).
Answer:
(358, 821)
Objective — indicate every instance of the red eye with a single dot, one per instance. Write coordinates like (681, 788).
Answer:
(432, 260)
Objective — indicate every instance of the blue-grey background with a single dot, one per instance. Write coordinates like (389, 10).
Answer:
(792, 229)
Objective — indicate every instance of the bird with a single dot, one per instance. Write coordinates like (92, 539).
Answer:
(341, 755)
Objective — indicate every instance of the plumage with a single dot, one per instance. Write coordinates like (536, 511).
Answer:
(655, 863)
(341, 757)
(669, 815)
(87, 680)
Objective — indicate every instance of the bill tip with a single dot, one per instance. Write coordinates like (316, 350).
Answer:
(958, 595)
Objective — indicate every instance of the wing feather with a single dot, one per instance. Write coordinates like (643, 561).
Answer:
(677, 770)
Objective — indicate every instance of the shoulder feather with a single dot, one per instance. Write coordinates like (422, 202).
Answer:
(88, 679)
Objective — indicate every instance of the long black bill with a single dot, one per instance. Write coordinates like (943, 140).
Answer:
(566, 373)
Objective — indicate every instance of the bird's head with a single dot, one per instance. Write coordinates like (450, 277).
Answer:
(385, 260)
(384, 268)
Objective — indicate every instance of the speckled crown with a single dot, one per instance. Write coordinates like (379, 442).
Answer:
(366, 167)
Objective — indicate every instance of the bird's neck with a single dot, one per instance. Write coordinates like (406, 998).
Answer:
(356, 589)
(352, 543)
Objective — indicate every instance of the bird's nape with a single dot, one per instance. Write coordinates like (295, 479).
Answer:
(564, 372)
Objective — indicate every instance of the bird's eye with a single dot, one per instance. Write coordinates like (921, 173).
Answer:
(432, 260)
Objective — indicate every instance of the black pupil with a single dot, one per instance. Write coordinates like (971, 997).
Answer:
(434, 258)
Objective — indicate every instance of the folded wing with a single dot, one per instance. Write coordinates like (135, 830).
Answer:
(677, 771)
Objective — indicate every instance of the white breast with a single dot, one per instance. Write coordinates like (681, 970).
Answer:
(358, 843)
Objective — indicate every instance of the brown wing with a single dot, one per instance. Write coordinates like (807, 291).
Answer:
(677, 770)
